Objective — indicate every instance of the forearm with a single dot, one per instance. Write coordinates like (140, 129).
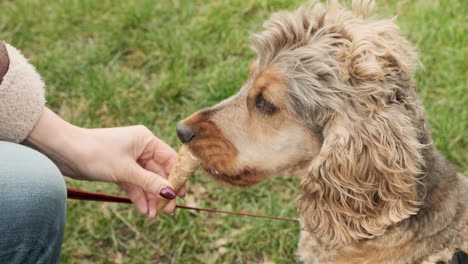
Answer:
(58, 139)
(129, 156)
(125, 155)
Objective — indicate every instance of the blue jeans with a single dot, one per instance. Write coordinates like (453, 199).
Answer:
(32, 206)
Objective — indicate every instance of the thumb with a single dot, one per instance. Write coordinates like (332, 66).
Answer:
(151, 182)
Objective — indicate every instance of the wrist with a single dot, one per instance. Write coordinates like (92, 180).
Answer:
(59, 140)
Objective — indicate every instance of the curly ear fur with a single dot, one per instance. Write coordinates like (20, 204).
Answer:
(349, 77)
(365, 177)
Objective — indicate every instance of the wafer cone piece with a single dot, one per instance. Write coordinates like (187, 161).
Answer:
(184, 167)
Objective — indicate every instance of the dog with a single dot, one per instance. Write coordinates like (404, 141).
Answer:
(331, 99)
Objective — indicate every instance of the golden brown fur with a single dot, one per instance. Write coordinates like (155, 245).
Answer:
(331, 99)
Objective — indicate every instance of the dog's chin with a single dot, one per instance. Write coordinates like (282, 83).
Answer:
(240, 177)
(245, 178)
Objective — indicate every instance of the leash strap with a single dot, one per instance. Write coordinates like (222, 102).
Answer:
(459, 257)
(101, 197)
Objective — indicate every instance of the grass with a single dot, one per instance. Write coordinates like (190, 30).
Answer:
(112, 63)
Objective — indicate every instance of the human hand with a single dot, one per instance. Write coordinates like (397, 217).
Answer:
(131, 157)
(136, 160)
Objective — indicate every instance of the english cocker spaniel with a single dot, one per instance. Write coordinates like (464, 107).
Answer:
(332, 100)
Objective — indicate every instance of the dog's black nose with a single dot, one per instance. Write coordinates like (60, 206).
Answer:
(184, 133)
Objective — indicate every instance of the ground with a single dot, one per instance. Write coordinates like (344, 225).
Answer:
(115, 63)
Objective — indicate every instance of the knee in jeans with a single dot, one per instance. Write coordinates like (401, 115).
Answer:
(30, 181)
(33, 204)
(44, 189)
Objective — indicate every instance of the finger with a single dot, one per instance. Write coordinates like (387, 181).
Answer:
(181, 192)
(168, 165)
(150, 182)
(156, 168)
(151, 165)
(137, 196)
(152, 209)
(170, 207)
(163, 151)
(164, 155)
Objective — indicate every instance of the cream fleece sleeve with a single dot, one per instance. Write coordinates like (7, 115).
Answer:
(21, 95)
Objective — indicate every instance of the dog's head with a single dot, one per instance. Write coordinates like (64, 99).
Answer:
(252, 135)
(329, 97)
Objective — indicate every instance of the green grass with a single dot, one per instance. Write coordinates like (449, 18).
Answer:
(112, 63)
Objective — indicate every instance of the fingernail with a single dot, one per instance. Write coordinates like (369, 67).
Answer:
(167, 193)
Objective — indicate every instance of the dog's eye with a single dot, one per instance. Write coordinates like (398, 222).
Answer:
(264, 106)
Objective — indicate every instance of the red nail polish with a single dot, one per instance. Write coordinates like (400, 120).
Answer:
(167, 193)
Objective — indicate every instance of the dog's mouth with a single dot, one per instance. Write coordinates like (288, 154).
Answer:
(245, 178)
(224, 168)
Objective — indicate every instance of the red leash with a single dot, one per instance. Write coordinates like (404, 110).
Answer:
(100, 197)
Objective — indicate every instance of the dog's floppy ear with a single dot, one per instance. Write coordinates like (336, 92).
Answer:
(365, 176)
